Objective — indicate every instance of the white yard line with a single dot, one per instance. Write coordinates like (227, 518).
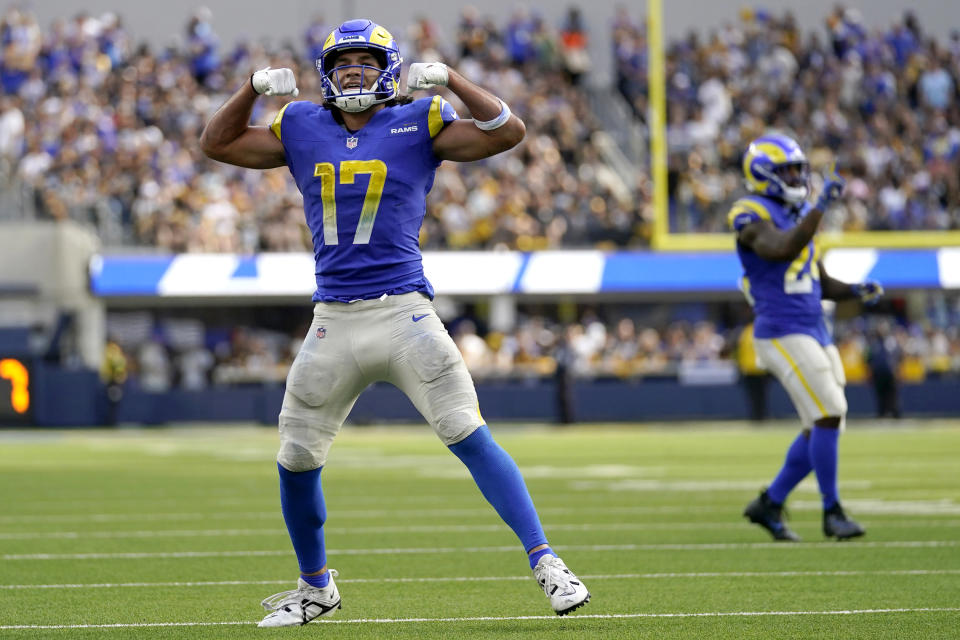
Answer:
(862, 506)
(615, 576)
(343, 513)
(598, 616)
(893, 544)
(492, 528)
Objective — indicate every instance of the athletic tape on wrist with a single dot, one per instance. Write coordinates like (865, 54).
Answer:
(496, 123)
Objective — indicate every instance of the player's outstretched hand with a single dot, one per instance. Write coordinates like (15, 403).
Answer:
(869, 292)
(833, 185)
(426, 75)
(275, 82)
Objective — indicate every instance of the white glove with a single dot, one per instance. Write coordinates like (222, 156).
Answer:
(426, 75)
(275, 82)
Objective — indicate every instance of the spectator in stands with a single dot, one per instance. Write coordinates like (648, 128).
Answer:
(113, 373)
(12, 127)
(20, 39)
(883, 358)
(563, 379)
(755, 379)
(314, 37)
(573, 40)
(203, 45)
(154, 368)
(936, 85)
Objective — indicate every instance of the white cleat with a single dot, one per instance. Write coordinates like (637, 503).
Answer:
(564, 589)
(301, 605)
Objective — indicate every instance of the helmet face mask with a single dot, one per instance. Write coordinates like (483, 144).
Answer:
(776, 167)
(364, 36)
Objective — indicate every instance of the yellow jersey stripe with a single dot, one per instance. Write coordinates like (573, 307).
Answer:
(434, 119)
(745, 288)
(803, 381)
(275, 127)
(747, 206)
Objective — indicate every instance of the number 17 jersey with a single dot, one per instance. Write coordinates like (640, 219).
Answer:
(785, 295)
(364, 193)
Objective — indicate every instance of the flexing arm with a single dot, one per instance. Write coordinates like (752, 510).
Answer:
(228, 137)
(833, 289)
(770, 243)
(463, 140)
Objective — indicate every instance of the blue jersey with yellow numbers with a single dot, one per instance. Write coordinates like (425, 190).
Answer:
(785, 295)
(364, 193)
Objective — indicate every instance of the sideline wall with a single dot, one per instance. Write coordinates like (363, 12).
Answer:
(502, 401)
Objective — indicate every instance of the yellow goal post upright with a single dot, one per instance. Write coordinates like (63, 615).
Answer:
(663, 240)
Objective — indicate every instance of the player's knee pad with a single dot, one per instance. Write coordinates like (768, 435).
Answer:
(296, 458)
(304, 442)
(834, 401)
(457, 425)
(454, 413)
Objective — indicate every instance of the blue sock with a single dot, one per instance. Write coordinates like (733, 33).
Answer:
(795, 468)
(319, 581)
(536, 555)
(304, 511)
(500, 482)
(823, 453)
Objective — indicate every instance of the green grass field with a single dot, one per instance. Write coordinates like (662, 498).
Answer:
(176, 533)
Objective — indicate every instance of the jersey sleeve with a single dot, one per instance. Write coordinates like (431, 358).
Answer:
(440, 114)
(277, 125)
(745, 211)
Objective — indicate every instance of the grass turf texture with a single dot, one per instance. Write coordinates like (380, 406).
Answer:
(649, 517)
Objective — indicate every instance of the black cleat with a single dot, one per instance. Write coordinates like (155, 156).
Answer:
(837, 525)
(769, 515)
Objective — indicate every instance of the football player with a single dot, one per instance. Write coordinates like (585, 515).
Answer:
(784, 280)
(364, 158)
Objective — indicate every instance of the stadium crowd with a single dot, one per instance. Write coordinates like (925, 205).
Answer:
(97, 127)
(885, 103)
(102, 130)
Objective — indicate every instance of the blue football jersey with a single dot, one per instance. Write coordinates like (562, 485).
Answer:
(785, 295)
(364, 193)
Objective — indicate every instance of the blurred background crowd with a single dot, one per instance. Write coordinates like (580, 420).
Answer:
(694, 342)
(98, 127)
(101, 129)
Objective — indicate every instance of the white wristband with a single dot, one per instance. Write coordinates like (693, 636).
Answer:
(497, 122)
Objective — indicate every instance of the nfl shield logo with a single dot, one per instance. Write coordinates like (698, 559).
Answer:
(352, 142)
(321, 332)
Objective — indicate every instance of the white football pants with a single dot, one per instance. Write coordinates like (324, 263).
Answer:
(811, 373)
(397, 339)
